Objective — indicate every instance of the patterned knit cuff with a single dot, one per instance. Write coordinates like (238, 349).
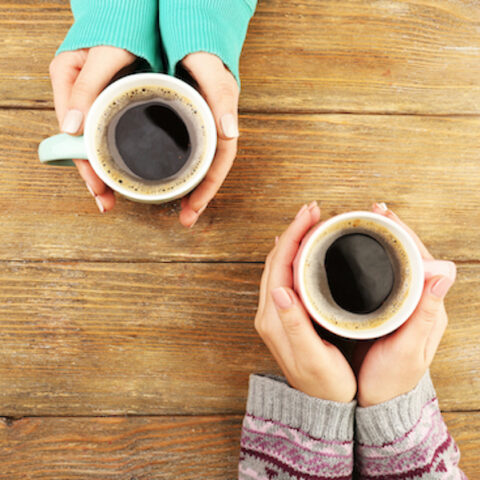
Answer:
(383, 423)
(213, 26)
(271, 398)
(128, 24)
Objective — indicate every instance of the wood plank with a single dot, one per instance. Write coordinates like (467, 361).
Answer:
(417, 56)
(131, 448)
(426, 168)
(127, 448)
(113, 338)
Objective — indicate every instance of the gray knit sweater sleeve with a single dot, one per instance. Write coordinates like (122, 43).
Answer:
(405, 438)
(287, 434)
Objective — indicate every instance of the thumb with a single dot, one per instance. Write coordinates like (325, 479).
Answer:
(429, 311)
(296, 322)
(220, 89)
(100, 67)
(222, 97)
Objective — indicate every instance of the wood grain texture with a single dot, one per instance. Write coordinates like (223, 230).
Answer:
(116, 448)
(147, 448)
(427, 169)
(113, 338)
(418, 56)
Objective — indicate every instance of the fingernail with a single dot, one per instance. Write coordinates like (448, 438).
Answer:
(281, 298)
(312, 205)
(434, 268)
(72, 121)
(194, 222)
(276, 239)
(90, 190)
(382, 206)
(229, 126)
(441, 286)
(300, 212)
(99, 204)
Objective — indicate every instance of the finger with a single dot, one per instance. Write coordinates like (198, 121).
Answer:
(414, 333)
(104, 196)
(201, 196)
(288, 244)
(433, 268)
(219, 88)
(64, 70)
(101, 65)
(383, 210)
(107, 199)
(304, 341)
(435, 337)
(90, 177)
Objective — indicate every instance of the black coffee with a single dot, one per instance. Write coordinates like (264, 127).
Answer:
(152, 140)
(359, 272)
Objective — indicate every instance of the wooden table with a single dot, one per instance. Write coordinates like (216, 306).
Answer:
(126, 340)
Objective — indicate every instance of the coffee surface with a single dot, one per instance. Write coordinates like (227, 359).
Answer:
(152, 140)
(359, 273)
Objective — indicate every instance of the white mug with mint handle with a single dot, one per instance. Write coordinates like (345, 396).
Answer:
(63, 148)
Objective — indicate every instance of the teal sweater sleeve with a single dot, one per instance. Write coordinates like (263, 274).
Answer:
(214, 26)
(128, 24)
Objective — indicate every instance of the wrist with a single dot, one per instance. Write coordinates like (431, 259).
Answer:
(272, 399)
(383, 391)
(384, 422)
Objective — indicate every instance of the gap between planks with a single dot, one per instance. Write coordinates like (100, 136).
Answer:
(250, 111)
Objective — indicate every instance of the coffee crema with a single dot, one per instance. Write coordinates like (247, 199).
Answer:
(357, 274)
(150, 140)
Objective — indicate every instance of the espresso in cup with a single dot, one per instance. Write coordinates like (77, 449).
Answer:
(360, 275)
(150, 137)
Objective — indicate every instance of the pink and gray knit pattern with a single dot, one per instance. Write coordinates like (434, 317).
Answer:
(288, 435)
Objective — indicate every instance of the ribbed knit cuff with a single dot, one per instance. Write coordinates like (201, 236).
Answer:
(128, 24)
(213, 26)
(385, 422)
(271, 398)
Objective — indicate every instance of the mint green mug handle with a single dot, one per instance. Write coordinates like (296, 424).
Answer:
(61, 149)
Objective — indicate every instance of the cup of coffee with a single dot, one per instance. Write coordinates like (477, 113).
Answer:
(359, 275)
(150, 137)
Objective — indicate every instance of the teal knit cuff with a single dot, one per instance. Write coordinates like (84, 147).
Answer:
(128, 24)
(213, 26)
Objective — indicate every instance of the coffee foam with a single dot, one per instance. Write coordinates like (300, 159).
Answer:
(117, 170)
(316, 283)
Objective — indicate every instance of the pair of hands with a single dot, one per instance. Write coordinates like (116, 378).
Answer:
(79, 76)
(385, 368)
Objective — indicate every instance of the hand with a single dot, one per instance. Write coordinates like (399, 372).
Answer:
(393, 365)
(221, 92)
(310, 364)
(77, 78)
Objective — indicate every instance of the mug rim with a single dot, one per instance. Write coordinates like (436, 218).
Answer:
(139, 79)
(411, 300)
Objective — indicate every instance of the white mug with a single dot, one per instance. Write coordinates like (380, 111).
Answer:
(334, 321)
(61, 149)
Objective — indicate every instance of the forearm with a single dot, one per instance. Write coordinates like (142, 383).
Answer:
(213, 26)
(128, 24)
(287, 434)
(406, 438)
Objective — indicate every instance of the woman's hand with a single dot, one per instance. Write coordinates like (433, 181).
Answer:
(220, 89)
(77, 79)
(310, 364)
(393, 365)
